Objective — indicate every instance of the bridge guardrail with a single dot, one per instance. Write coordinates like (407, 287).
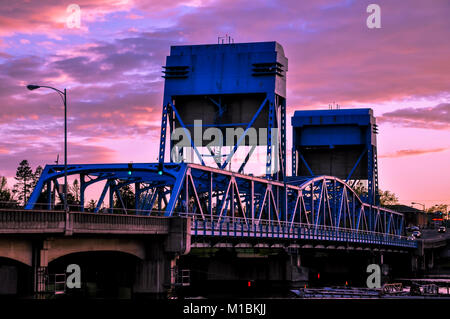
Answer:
(22, 221)
(240, 227)
(14, 221)
(119, 223)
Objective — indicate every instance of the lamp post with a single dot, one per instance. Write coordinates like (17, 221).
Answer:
(64, 97)
(423, 205)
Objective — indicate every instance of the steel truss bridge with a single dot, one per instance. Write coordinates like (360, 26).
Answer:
(223, 86)
(225, 204)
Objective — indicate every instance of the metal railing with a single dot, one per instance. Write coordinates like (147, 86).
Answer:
(240, 227)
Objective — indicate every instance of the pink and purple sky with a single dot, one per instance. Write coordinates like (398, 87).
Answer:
(111, 67)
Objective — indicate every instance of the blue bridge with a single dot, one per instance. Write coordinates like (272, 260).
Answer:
(243, 87)
(228, 204)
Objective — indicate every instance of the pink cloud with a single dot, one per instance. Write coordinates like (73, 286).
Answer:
(133, 16)
(437, 117)
(49, 16)
(402, 153)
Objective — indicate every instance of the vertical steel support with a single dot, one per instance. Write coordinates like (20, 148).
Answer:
(313, 216)
(283, 154)
(186, 189)
(49, 195)
(210, 195)
(375, 159)
(137, 196)
(294, 160)
(82, 191)
(270, 125)
(171, 127)
(162, 141)
(372, 168)
(252, 200)
(112, 186)
(284, 203)
(232, 203)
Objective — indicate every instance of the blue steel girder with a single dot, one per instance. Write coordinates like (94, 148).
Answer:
(322, 187)
(144, 173)
(255, 116)
(220, 197)
(323, 202)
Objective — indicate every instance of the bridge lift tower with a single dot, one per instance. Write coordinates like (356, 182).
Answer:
(239, 86)
(339, 142)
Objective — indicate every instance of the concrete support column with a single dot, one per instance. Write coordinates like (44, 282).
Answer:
(430, 263)
(153, 275)
(414, 263)
(423, 263)
(296, 274)
(40, 265)
(156, 274)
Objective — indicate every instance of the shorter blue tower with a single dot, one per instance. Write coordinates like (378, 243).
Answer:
(340, 142)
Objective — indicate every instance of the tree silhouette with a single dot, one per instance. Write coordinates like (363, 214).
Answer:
(6, 196)
(386, 197)
(75, 190)
(128, 198)
(36, 175)
(24, 177)
(91, 205)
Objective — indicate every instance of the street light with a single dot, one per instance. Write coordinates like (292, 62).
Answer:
(63, 95)
(423, 205)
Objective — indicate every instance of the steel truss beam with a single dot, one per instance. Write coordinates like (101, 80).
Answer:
(276, 120)
(216, 198)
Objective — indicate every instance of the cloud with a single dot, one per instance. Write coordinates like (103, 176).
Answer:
(115, 88)
(44, 152)
(402, 153)
(332, 55)
(113, 75)
(437, 117)
(49, 16)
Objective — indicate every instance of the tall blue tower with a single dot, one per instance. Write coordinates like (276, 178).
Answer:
(240, 86)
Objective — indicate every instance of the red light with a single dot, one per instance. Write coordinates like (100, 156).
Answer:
(346, 283)
(249, 283)
(318, 275)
